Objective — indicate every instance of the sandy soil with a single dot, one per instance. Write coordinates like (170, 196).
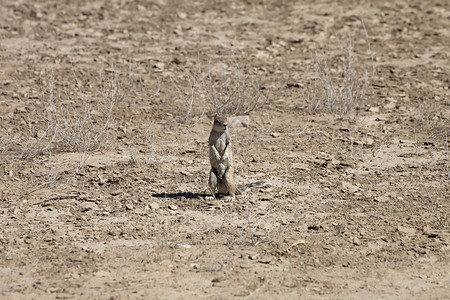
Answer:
(359, 209)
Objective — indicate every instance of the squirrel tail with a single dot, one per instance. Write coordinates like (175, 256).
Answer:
(244, 188)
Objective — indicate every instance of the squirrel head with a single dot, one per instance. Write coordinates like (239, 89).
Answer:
(220, 123)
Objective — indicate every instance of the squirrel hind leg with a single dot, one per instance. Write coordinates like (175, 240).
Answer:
(213, 184)
(230, 185)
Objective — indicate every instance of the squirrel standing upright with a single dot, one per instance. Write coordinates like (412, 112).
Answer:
(221, 176)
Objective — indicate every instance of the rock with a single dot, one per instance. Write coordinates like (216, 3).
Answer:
(409, 231)
(237, 121)
(86, 206)
(159, 67)
(300, 166)
(101, 180)
(253, 257)
(431, 233)
(374, 109)
(317, 262)
(356, 241)
(218, 279)
(290, 283)
(381, 199)
(265, 261)
(116, 192)
(173, 207)
(313, 227)
(275, 134)
(154, 206)
(390, 105)
(348, 187)
(20, 110)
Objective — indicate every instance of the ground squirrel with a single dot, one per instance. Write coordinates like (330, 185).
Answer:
(221, 175)
(221, 159)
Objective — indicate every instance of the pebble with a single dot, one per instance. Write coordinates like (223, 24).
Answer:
(173, 207)
(356, 241)
(218, 279)
(116, 192)
(154, 206)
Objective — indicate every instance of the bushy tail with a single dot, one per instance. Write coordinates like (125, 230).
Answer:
(244, 188)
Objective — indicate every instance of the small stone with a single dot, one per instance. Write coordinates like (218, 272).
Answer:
(265, 261)
(431, 233)
(154, 206)
(101, 180)
(20, 110)
(390, 105)
(186, 173)
(159, 67)
(381, 199)
(409, 231)
(218, 279)
(86, 206)
(348, 187)
(300, 166)
(116, 192)
(253, 256)
(173, 207)
(317, 262)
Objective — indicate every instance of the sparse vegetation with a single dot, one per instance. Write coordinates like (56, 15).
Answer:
(265, 225)
(338, 90)
(148, 154)
(231, 91)
(104, 121)
(74, 119)
(222, 88)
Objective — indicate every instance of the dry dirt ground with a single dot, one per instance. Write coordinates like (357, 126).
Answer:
(105, 201)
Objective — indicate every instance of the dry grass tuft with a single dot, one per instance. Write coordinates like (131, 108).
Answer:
(339, 90)
(70, 118)
(222, 87)
(232, 91)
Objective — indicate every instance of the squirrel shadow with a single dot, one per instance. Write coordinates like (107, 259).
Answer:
(187, 195)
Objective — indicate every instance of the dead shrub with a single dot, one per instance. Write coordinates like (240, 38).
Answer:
(231, 91)
(338, 90)
(220, 87)
(70, 118)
